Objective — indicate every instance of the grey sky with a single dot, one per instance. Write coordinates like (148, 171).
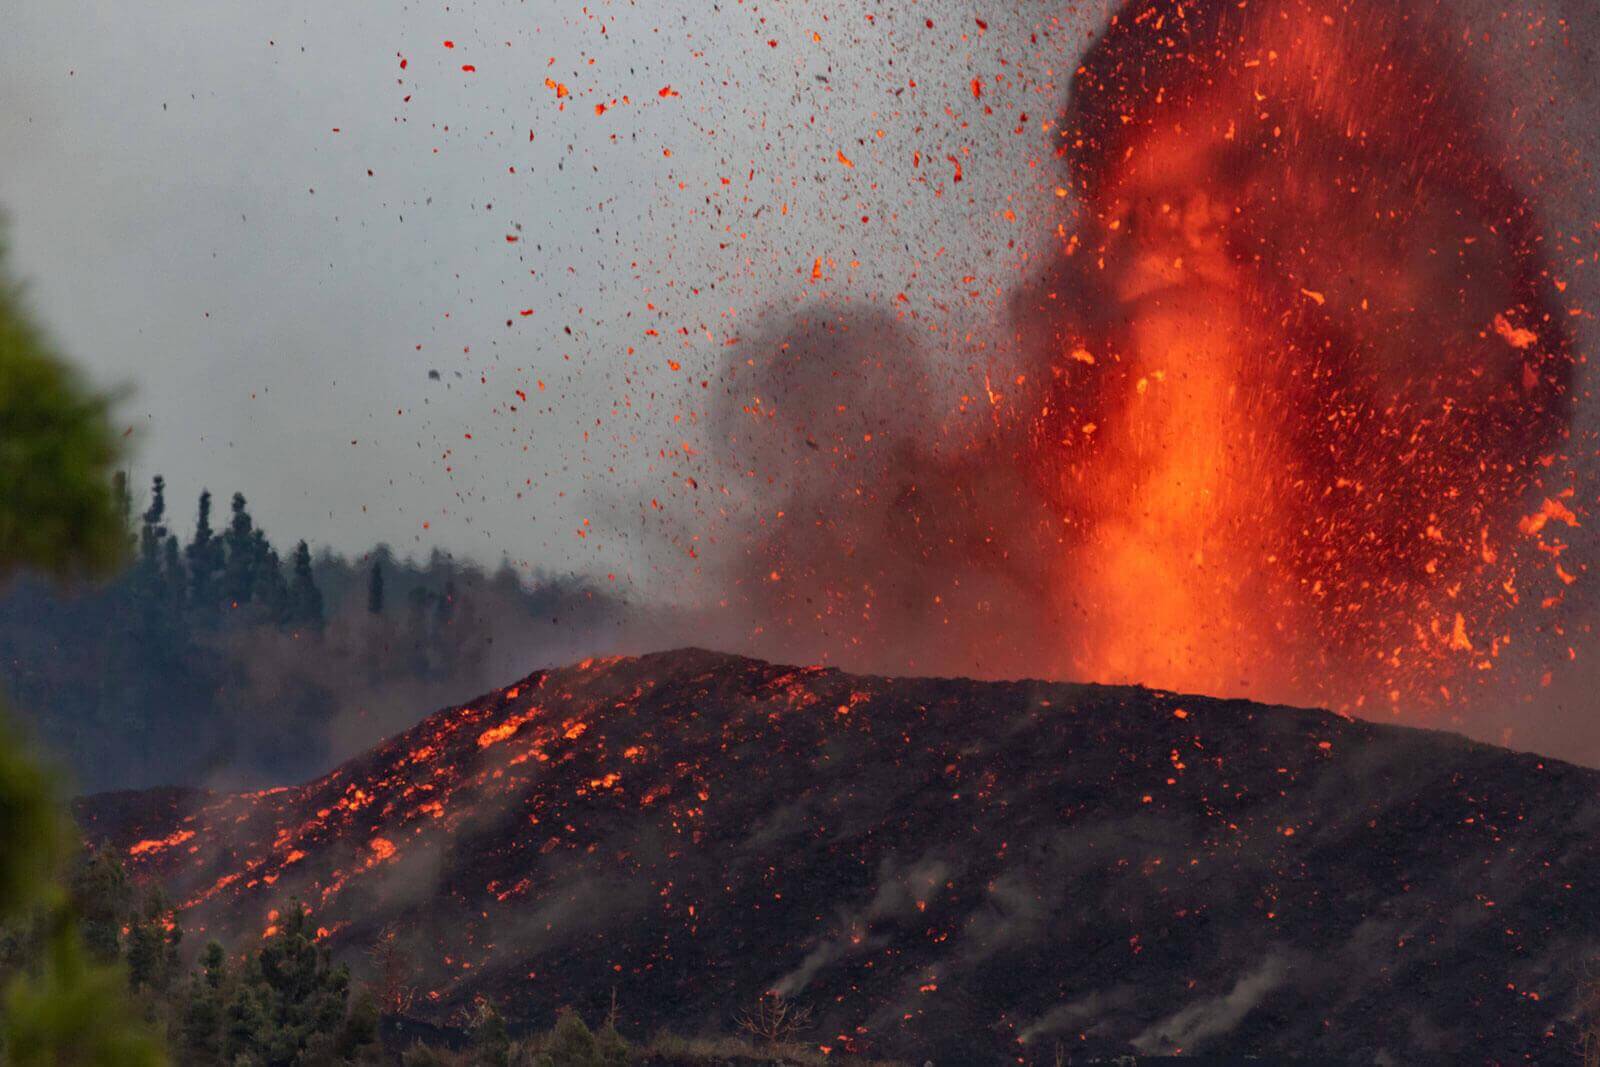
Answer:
(190, 200)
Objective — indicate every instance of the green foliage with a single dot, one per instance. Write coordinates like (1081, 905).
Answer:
(74, 1014)
(63, 970)
(199, 1036)
(491, 1041)
(102, 897)
(152, 946)
(420, 1055)
(57, 512)
(572, 1044)
(612, 1047)
(30, 837)
(60, 516)
(284, 1006)
(358, 1036)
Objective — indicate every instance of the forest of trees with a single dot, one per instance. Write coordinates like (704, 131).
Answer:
(217, 659)
(283, 1001)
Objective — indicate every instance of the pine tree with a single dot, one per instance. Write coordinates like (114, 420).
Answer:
(152, 946)
(238, 576)
(290, 1004)
(203, 552)
(101, 895)
(246, 1017)
(305, 599)
(155, 614)
(375, 589)
(284, 1005)
(152, 533)
(200, 1025)
(174, 577)
(271, 591)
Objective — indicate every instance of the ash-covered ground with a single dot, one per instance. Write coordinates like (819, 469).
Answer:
(940, 869)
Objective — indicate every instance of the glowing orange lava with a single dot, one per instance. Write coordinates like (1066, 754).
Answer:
(1313, 371)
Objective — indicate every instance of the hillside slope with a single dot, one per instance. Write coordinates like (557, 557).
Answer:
(945, 869)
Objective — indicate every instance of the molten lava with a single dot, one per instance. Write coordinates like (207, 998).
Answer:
(1307, 365)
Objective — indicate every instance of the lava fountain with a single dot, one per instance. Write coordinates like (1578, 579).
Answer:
(1307, 373)
(1291, 420)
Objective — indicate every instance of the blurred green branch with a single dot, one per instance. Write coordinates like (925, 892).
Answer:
(58, 516)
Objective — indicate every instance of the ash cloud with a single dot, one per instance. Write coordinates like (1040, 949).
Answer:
(874, 520)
